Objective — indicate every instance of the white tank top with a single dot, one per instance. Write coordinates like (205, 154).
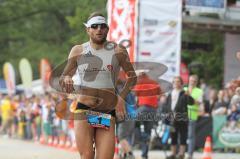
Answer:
(97, 68)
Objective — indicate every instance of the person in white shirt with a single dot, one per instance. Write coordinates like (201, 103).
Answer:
(176, 106)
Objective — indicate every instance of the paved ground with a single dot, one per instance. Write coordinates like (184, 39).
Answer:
(18, 149)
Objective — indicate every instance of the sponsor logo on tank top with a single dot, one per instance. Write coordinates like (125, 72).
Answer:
(89, 54)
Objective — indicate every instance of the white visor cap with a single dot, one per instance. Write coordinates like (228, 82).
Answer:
(95, 20)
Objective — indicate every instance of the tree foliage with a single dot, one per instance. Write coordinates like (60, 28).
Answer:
(211, 61)
(38, 29)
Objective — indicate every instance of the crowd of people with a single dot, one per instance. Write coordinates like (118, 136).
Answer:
(34, 118)
(207, 102)
(225, 101)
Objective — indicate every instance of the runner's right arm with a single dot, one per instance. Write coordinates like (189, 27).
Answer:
(66, 81)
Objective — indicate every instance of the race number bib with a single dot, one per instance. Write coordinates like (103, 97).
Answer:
(99, 120)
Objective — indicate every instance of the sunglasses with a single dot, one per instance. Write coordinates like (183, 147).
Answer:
(102, 26)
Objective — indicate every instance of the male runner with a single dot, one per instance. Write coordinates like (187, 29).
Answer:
(95, 66)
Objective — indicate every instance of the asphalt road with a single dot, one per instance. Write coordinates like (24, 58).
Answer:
(18, 149)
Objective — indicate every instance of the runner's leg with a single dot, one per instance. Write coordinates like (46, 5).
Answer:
(105, 142)
(84, 139)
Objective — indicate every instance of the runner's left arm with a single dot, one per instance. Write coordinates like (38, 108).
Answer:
(127, 67)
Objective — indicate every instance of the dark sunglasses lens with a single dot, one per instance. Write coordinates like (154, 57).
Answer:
(94, 26)
(102, 26)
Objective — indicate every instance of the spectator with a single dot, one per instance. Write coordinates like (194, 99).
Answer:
(162, 103)
(36, 118)
(221, 106)
(236, 97)
(7, 116)
(209, 104)
(234, 111)
(206, 89)
(21, 114)
(0, 111)
(28, 107)
(46, 107)
(193, 111)
(147, 92)
(15, 103)
(176, 104)
(22, 123)
(125, 128)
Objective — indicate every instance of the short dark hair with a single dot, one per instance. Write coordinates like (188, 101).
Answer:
(194, 76)
(95, 14)
(180, 78)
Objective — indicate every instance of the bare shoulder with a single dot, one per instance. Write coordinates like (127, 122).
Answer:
(75, 51)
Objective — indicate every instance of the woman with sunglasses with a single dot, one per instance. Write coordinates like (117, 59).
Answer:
(91, 73)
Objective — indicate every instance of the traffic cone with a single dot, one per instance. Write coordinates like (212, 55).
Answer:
(73, 147)
(55, 142)
(61, 142)
(116, 151)
(36, 139)
(50, 141)
(207, 151)
(42, 140)
(67, 144)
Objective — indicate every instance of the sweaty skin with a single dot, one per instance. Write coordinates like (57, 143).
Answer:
(97, 98)
(94, 91)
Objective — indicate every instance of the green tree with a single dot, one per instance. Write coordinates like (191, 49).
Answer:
(212, 61)
(38, 29)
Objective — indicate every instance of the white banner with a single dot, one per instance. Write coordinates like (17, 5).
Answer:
(160, 24)
(26, 74)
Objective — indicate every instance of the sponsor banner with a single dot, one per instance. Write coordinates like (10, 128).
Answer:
(45, 71)
(160, 34)
(230, 138)
(219, 121)
(225, 135)
(26, 74)
(211, 6)
(9, 77)
(122, 23)
(217, 127)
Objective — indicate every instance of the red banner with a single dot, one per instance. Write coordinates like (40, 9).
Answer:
(122, 23)
(184, 73)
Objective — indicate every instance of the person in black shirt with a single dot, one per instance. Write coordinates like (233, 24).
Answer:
(176, 106)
